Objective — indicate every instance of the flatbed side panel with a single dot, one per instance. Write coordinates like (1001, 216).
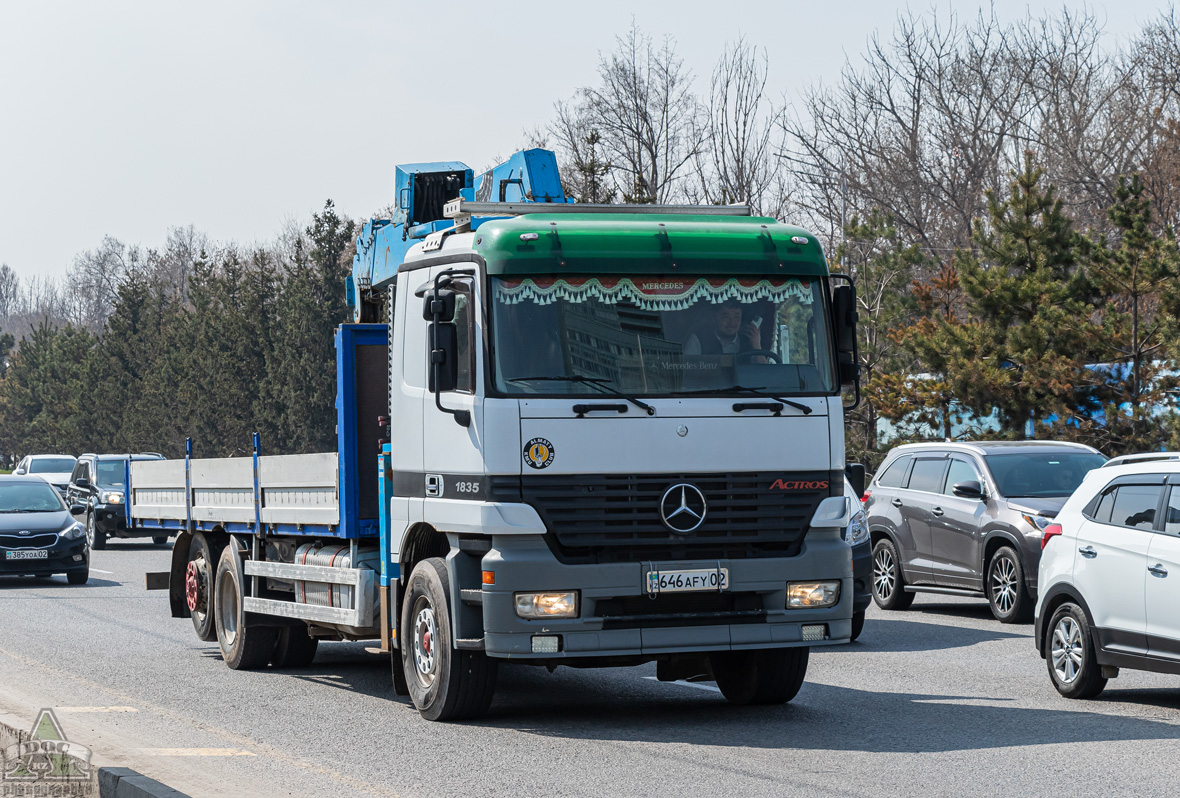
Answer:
(300, 489)
(223, 489)
(157, 490)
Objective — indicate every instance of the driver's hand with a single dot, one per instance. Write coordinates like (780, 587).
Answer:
(752, 335)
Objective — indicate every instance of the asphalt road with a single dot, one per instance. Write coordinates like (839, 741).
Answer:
(938, 700)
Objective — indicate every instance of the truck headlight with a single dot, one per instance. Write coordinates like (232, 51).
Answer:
(812, 594)
(547, 605)
(858, 529)
(113, 498)
(72, 532)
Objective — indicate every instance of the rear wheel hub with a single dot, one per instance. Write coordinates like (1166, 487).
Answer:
(195, 585)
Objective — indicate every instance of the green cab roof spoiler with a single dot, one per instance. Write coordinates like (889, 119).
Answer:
(655, 240)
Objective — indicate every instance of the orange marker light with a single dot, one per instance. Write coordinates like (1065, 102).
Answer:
(489, 577)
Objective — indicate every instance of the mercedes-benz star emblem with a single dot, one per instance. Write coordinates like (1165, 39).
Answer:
(683, 508)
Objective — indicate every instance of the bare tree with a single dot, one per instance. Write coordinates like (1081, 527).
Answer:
(640, 118)
(10, 291)
(736, 162)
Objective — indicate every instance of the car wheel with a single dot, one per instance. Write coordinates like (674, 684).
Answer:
(445, 683)
(858, 624)
(96, 539)
(1006, 593)
(767, 676)
(159, 540)
(888, 584)
(79, 577)
(1069, 649)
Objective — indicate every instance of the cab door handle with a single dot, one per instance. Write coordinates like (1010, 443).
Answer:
(1158, 570)
(1088, 551)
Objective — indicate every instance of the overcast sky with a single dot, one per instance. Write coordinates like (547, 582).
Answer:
(128, 118)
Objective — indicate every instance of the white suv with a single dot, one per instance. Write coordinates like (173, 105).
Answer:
(1110, 578)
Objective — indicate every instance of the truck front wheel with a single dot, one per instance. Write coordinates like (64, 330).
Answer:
(444, 682)
(769, 676)
(244, 645)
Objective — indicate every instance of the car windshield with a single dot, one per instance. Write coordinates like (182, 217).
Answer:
(109, 473)
(1041, 474)
(660, 335)
(29, 497)
(51, 465)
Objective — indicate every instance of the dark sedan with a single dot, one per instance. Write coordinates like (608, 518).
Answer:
(38, 535)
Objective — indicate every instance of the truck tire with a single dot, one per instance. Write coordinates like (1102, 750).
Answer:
(96, 539)
(244, 645)
(159, 540)
(199, 587)
(444, 682)
(768, 676)
(858, 624)
(294, 648)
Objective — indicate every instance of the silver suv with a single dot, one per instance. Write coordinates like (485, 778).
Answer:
(966, 519)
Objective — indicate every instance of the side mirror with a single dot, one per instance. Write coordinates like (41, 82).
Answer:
(77, 509)
(82, 482)
(844, 324)
(439, 305)
(19, 472)
(443, 371)
(856, 477)
(968, 490)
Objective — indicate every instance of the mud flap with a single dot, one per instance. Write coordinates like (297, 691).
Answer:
(176, 582)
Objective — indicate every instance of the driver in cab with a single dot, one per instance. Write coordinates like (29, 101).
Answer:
(727, 336)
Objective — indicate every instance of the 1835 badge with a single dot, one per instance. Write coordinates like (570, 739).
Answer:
(538, 453)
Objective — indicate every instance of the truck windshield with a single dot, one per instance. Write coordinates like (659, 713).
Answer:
(660, 335)
(109, 473)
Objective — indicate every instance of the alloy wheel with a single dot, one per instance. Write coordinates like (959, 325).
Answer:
(227, 610)
(1004, 584)
(1067, 651)
(884, 574)
(90, 530)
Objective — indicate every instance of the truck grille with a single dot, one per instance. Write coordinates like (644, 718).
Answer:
(680, 609)
(42, 541)
(616, 517)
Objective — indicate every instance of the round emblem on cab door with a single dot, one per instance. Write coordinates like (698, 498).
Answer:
(683, 508)
(682, 430)
(538, 453)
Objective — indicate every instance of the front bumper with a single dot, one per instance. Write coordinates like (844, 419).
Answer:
(618, 619)
(62, 557)
(110, 519)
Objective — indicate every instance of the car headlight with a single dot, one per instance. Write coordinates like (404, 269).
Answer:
(112, 498)
(858, 529)
(812, 594)
(1037, 522)
(72, 532)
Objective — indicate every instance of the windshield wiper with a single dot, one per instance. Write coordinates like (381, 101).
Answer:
(597, 382)
(802, 408)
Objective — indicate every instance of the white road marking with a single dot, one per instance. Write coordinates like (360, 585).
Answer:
(97, 709)
(99, 571)
(682, 683)
(197, 752)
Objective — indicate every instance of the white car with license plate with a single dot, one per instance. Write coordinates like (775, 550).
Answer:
(1110, 578)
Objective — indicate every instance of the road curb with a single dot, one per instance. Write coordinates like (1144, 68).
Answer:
(128, 783)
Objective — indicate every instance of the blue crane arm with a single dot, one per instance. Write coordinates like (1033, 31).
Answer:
(422, 189)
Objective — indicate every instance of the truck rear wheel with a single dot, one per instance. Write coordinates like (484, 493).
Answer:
(198, 587)
(244, 645)
(444, 682)
(769, 676)
(294, 648)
